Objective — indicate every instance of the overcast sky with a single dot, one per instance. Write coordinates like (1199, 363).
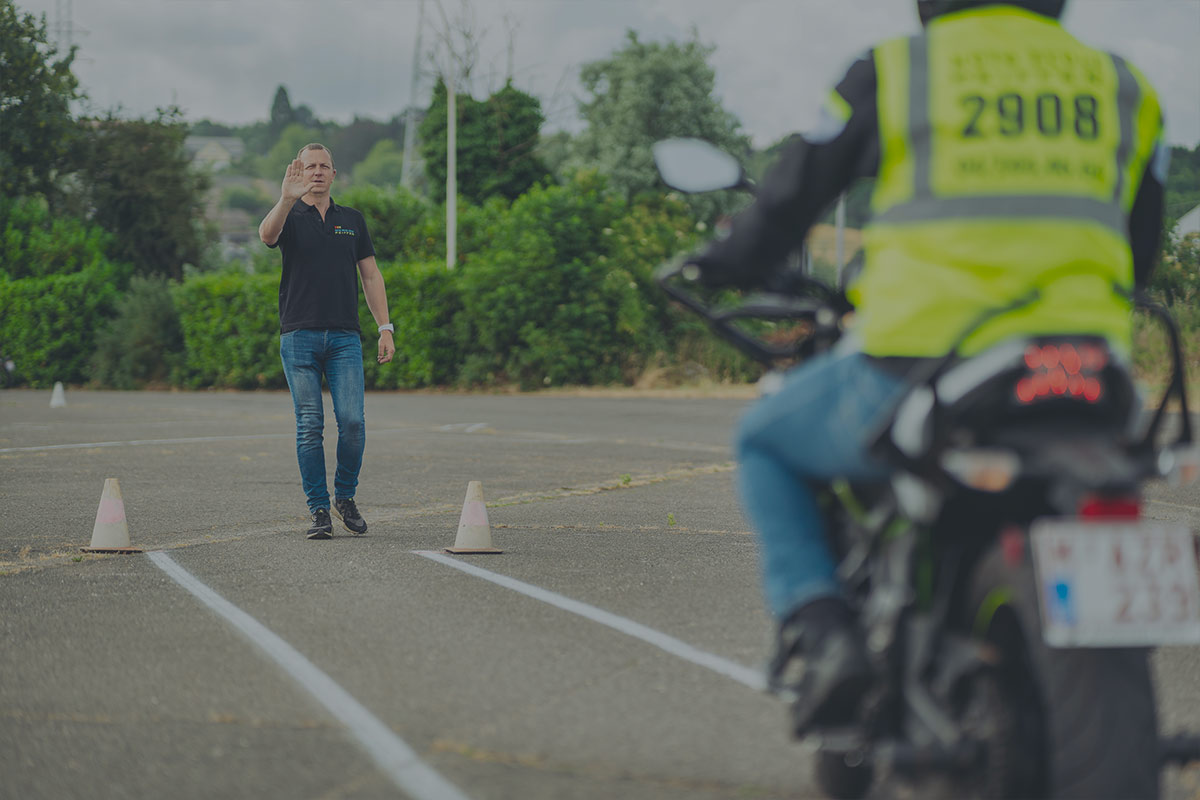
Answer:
(223, 59)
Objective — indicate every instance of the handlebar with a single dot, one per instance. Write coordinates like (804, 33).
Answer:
(821, 316)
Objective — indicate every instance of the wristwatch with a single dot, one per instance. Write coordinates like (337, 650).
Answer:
(387, 327)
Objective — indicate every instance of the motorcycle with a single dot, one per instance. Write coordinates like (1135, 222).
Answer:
(1008, 587)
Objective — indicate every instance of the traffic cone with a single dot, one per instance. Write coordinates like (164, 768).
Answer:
(110, 534)
(58, 398)
(474, 533)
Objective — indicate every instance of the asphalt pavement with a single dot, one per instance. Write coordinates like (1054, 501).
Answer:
(611, 650)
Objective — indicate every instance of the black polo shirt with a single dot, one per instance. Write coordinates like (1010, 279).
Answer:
(319, 284)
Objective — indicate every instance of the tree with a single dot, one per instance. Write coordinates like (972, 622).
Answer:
(37, 132)
(206, 127)
(138, 181)
(282, 114)
(641, 94)
(287, 145)
(554, 151)
(36, 243)
(516, 120)
(351, 143)
(1183, 184)
(383, 166)
(497, 140)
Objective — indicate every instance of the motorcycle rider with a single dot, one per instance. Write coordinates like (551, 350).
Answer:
(1008, 157)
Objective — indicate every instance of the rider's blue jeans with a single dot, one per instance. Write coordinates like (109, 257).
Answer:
(307, 355)
(815, 428)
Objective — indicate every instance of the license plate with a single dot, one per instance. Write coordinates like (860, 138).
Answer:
(1116, 584)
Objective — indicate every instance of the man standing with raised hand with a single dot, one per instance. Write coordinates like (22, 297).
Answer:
(323, 246)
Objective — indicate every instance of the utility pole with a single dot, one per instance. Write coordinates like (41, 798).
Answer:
(451, 170)
(64, 23)
(460, 49)
(406, 169)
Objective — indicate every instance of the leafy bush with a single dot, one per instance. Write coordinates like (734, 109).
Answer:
(58, 287)
(144, 343)
(230, 324)
(1176, 283)
(230, 328)
(33, 243)
(48, 324)
(651, 233)
(546, 305)
(244, 198)
(425, 306)
(1176, 279)
(383, 166)
(395, 220)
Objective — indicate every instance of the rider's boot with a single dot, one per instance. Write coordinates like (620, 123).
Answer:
(821, 638)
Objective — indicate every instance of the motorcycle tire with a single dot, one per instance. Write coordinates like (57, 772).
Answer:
(1089, 714)
(840, 781)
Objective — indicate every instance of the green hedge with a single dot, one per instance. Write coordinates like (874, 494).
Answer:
(555, 288)
(230, 324)
(49, 325)
(59, 287)
(425, 305)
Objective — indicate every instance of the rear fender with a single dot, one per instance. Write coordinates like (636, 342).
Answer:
(1071, 466)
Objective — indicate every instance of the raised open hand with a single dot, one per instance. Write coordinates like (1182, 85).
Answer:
(295, 184)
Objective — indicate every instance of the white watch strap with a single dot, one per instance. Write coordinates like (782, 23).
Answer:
(387, 327)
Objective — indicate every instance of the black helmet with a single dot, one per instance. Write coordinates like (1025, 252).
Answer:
(928, 9)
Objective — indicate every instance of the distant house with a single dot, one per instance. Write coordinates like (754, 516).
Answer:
(1188, 223)
(214, 152)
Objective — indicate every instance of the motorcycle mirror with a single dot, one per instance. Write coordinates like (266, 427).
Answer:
(694, 165)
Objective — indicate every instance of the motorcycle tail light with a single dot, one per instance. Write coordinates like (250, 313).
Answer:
(1094, 506)
(984, 469)
(1062, 370)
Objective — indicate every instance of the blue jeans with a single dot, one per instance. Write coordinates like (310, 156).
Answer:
(307, 355)
(814, 429)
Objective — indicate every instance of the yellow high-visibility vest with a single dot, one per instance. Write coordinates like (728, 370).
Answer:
(1010, 156)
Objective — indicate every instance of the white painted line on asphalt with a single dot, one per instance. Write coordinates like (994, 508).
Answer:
(187, 440)
(397, 760)
(730, 669)
(135, 442)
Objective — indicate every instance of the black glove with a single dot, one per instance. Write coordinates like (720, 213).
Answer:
(713, 268)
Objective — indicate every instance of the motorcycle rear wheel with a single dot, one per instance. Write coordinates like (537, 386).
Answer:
(1089, 715)
(841, 781)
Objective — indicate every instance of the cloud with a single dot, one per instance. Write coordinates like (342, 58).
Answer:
(774, 59)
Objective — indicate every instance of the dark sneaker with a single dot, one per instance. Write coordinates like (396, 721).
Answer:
(347, 512)
(321, 528)
(836, 669)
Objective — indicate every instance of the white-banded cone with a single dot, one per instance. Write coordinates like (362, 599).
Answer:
(58, 397)
(110, 534)
(474, 532)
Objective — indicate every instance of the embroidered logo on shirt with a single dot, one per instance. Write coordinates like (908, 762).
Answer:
(339, 229)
